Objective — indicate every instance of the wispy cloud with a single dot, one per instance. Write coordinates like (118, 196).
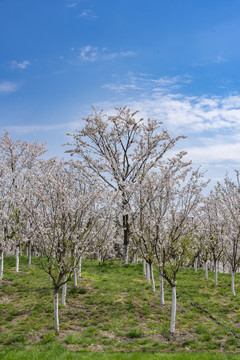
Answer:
(145, 83)
(193, 114)
(90, 54)
(219, 60)
(19, 65)
(28, 129)
(87, 14)
(218, 153)
(212, 123)
(72, 3)
(8, 87)
(161, 98)
(63, 127)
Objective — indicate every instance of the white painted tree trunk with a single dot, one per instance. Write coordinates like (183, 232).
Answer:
(135, 258)
(80, 267)
(148, 273)
(216, 273)
(174, 308)
(195, 264)
(206, 269)
(75, 280)
(233, 284)
(152, 277)
(144, 267)
(56, 317)
(75, 274)
(17, 259)
(161, 289)
(1, 264)
(29, 253)
(20, 249)
(64, 292)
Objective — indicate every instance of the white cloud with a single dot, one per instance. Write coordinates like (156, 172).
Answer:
(19, 65)
(211, 123)
(87, 14)
(121, 87)
(193, 114)
(91, 54)
(8, 87)
(72, 3)
(88, 53)
(146, 84)
(28, 129)
(161, 99)
(219, 59)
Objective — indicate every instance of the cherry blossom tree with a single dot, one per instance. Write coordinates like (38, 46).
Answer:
(63, 209)
(6, 240)
(229, 194)
(166, 225)
(16, 158)
(212, 227)
(118, 149)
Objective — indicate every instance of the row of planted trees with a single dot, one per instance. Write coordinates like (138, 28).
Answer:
(121, 193)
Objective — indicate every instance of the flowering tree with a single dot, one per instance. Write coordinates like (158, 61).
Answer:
(16, 158)
(6, 240)
(166, 225)
(229, 194)
(118, 149)
(212, 226)
(63, 209)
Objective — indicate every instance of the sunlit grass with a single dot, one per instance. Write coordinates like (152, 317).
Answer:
(113, 309)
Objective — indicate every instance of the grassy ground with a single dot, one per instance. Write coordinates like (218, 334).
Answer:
(56, 351)
(113, 310)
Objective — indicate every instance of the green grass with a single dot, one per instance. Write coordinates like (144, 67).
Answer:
(114, 310)
(59, 352)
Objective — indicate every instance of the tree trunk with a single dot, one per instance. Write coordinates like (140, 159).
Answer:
(20, 249)
(75, 277)
(233, 284)
(75, 280)
(174, 307)
(125, 239)
(144, 267)
(135, 257)
(56, 317)
(152, 277)
(29, 253)
(216, 273)
(206, 269)
(64, 292)
(148, 273)
(1, 265)
(80, 267)
(17, 259)
(195, 264)
(161, 289)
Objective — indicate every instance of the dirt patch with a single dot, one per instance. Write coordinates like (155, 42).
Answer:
(6, 299)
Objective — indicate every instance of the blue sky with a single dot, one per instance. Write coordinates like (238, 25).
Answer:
(177, 61)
